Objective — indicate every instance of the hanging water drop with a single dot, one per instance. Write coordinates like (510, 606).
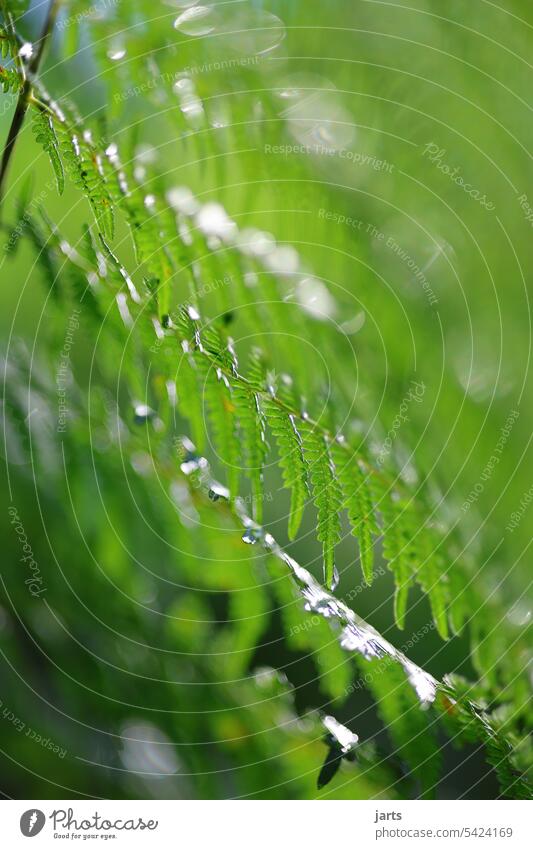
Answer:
(116, 52)
(335, 579)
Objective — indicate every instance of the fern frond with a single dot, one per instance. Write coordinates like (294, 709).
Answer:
(84, 166)
(45, 135)
(252, 423)
(469, 723)
(5, 46)
(396, 544)
(218, 397)
(17, 7)
(189, 396)
(354, 480)
(291, 460)
(117, 273)
(151, 222)
(213, 354)
(234, 410)
(150, 242)
(10, 79)
(433, 580)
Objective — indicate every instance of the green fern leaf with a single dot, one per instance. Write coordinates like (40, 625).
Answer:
(10, 79)
(291, 460)
(468, 723)
(189, 398)
(84, 166)
(150, 241)
(221, 408)
(396, 545)
(4, 43)
(218, 396)
(253, 427)
(434, 582)
(459, 596)
(359, 505)
(45, 135)
(257, 370)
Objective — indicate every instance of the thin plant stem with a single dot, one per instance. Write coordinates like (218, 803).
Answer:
(25, 94)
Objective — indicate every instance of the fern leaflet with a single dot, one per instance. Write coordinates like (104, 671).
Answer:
(327, 497)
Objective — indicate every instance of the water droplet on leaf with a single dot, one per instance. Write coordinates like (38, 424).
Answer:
(116, 53)
(143, 413)
(251, 536)
(216, 492)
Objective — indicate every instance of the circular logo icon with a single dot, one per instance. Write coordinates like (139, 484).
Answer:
(32, 822)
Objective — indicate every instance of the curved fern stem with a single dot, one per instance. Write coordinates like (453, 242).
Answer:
(26, 87)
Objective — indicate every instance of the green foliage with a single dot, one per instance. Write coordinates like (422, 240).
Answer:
(155, 232)
(10, 80)
(469, 723)
(16, 7)
(357, 493)
(252, 424)
(4, 42)
(218, 375)
(291, 459)
(397, 546)
(158, 309)
(327, 498)
(45, 135)
(83, 163)
(222, 412)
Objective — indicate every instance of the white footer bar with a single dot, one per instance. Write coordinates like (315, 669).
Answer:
(257, 824)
